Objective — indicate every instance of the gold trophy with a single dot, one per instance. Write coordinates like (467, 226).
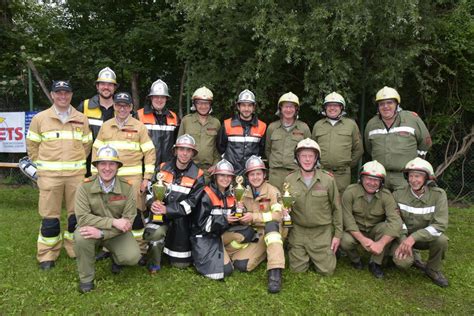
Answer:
(239, 194)
(159, 190)
(287, 201)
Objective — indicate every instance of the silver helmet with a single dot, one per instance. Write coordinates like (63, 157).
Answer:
(159, 87)
(107, 75)
(246, 96)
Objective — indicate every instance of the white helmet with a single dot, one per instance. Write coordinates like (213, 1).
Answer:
(373, 169)
(186, 141)
(224, 167)
(307, 143)
(159, 88)
(288, 97)
(419, 165)
(246, 96)
(107, 153)
(107, 75)
(387, 93)
(203, 93)
(254, 163)
(334, 97)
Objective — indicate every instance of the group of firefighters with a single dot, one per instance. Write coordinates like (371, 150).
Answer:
(160, 187)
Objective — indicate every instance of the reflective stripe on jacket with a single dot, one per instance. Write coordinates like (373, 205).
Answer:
(238, 144)
(59, 149)
(133, 144)
(163, 134)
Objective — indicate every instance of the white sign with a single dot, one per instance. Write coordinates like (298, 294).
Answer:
(12, 132)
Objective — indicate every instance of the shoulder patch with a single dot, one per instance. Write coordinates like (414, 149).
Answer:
(414, 114)
(87, 180)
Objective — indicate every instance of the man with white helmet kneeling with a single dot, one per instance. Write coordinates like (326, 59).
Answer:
(105, 209)
(370, 218)
(424, 211)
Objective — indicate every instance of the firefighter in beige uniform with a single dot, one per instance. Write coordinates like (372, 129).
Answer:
(105, 210)
(264, 215)
(370, 217)
(130, 137)
(316, 213)
(393, 137)
(58, 141)
(424, 211)
(282, 137)
(203, 127)
(340, 140)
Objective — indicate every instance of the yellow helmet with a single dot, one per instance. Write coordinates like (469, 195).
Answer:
(107, 75)
(203, 93)
(107, 153)
(421, 165)
(289, 97)
(387, 93)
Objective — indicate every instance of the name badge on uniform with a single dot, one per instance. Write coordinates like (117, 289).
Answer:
(117, 198)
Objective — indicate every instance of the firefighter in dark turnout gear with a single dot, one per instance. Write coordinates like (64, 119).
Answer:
(99, 108)
(161, 122)
(184, 182)
(243, 135)
(211, 218)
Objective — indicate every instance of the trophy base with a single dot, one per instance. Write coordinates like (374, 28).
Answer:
(238, 214)
(157, 218)
(287, 224)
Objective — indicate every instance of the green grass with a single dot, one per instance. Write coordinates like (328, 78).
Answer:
(24, 289)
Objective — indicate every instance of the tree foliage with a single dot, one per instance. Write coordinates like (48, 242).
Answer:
(422, 48)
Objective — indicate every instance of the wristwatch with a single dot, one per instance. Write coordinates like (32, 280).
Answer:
(102, 234)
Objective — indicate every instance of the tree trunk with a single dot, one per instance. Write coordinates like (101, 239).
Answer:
(181, 90)
(135, 93)
(40, 81)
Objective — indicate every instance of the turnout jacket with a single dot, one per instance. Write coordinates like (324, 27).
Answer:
(341, 144)
(134, 146)
(96, 208)
(237, 141)
(162, 129)
(59, 150)
(393, 147)
(263, 205)
(362, 215)
(96, 114)
(184, 189)
(425, 217)
(209, 222)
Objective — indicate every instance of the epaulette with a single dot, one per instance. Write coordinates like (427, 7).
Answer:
(328, 173)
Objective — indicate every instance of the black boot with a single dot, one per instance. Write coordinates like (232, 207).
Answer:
(86, 287)
(274, 280)
(376, 270)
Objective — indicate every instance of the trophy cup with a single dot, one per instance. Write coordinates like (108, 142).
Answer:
(159, 190)
(239, 194)
(287, 201)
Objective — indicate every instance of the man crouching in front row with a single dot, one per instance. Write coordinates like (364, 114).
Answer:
(105, 210)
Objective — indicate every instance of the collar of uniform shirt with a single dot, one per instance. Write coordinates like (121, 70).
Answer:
(63, 116)
(105, 188)
(122, 124)
(415, 195)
